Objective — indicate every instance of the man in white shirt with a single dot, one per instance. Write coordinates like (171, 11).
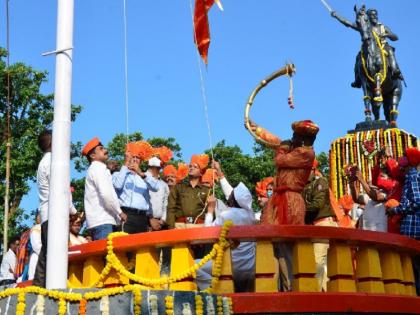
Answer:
(159, 198)
(8, 264)
(43, 184)
(374, 215)
(102, 207)
(36, 244)
(243, 257)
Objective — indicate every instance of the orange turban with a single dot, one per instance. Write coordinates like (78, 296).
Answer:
(169, 170)
(305, 128)
(202, 160)
(413, 156)
(145, 150)
(261, 186)
(182, 171)
(180, 174)
(346, 202)
(132, 148)
(209, 176)
(90, 146)
(163, 153)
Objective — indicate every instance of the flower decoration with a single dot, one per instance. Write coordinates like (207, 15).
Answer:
(369, 148)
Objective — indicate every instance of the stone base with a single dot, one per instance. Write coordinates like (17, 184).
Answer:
(370, 125)
(122, 304)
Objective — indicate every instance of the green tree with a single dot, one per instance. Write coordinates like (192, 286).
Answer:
(30, 113)
(324, 164)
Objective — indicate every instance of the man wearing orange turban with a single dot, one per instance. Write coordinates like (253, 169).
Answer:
(133, 188)
(102, 208)
(294, 160)
(187, 202)
(172, 175)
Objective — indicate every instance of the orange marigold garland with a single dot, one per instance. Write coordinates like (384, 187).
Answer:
(82, 307)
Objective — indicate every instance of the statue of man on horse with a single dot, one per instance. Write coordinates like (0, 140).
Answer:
(376, 69)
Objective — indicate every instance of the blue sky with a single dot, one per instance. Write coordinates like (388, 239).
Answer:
(250, 39)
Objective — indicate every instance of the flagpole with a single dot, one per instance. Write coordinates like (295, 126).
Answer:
(59, 197)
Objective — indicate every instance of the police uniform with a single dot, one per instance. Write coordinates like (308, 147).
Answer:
(186, 204)
(320, 213)
(317, 199)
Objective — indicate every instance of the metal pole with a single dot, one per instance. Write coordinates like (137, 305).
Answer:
(8, 145)
(59, 198)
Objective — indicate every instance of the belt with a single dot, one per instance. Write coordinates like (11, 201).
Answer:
(329, 219)
(129, 210)
(189, 220)
(284, 188)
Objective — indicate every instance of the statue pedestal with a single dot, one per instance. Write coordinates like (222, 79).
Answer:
(370, 125)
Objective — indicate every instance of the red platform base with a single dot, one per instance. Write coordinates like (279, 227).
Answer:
(323, 303)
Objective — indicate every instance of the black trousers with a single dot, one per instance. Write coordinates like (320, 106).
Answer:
(137, 222)
(40, 276)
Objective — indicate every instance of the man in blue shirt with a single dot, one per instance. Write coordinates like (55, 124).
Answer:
(132, 186)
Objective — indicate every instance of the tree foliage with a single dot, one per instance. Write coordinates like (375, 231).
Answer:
(30, 113)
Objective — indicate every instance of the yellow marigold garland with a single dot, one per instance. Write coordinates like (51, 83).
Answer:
(62, 306)
(20, 307)
(115, 263)
(137, 301)
(219, 305)
(199, 305)
(169, 305)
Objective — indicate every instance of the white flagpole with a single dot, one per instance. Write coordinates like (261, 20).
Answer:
(59, 198)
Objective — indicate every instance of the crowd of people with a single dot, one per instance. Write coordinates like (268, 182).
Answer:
(165, 196)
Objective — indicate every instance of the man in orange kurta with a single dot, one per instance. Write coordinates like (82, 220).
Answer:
(294, 160)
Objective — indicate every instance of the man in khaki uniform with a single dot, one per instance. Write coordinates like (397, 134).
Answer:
(320, 213)
(188, 200)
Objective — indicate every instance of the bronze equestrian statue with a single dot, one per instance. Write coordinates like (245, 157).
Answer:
(376, 69)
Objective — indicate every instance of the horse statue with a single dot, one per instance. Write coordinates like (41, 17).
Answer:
(379, 87)
(376, 70)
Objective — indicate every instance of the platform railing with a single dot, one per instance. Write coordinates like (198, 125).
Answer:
(358, 261)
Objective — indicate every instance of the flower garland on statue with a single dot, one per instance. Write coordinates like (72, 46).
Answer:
(369, 148)
(217, 252)
(360, 149)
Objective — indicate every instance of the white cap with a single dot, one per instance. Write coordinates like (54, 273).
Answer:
(154, 162)
(243, 196)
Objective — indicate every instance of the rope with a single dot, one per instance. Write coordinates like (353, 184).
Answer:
(125, 70)
(8, 144)
(203, 91)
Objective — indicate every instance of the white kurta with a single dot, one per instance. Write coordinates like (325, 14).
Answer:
(374, 216)
(101, 202)
(8, 266)
(36, 244)
(243, 257)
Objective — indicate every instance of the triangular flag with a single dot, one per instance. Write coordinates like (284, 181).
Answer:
(201, 26)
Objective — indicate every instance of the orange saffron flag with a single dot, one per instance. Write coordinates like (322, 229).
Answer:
(201, 27)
